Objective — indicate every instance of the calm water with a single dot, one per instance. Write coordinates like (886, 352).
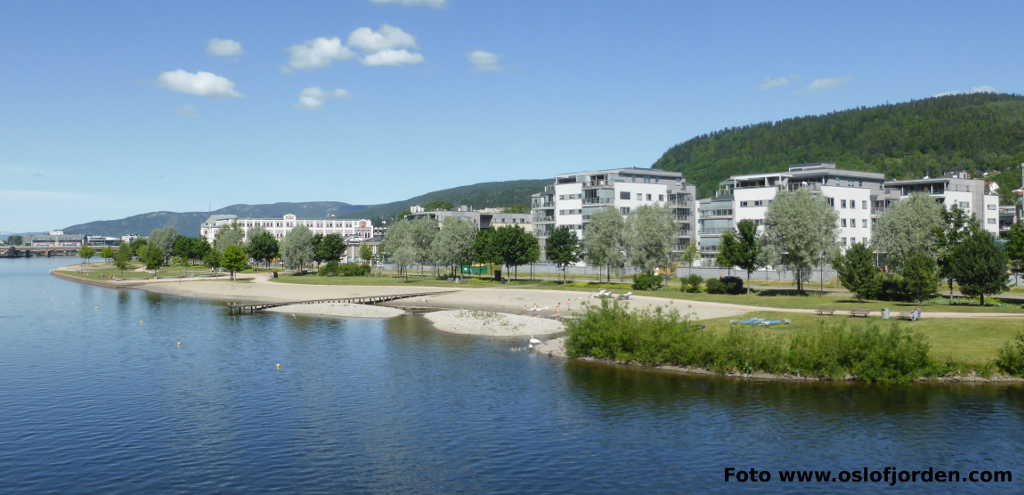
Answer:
(96, 397)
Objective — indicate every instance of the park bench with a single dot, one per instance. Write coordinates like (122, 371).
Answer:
(824, 311)
(901, 315)
(863, 313)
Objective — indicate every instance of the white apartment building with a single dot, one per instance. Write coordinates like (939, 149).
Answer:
(574, 197)
(849, 192)
(957, 189)
(279, 227)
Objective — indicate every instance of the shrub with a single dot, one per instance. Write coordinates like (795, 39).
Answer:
(691, 283)
(893, 288)
(355, 270)
(733, 285)
(714, 286)
(646, 281)
(1011, 356)
(331, 269)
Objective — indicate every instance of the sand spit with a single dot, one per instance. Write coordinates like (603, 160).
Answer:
(492, 324)
(339, 310)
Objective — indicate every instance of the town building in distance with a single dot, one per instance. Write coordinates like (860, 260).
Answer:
(487, 218)
(574, 197)
(279, 227)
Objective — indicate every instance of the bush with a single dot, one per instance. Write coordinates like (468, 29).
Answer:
(714, 286)
(659, 337)
(893, 288)
(733, 285)
(331, 269)
(691, 283)
(646, 281)
(1011, 356)
(355, 270)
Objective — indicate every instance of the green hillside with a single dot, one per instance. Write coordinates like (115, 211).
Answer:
(483, 195)
(972, 132)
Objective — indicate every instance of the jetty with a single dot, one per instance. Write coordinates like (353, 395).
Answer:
(237, 309)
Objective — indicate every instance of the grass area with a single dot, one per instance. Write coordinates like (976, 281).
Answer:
(973, 341)
(770, 298)
(106, 271)
(870, 350)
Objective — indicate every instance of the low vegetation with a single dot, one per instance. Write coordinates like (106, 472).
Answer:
(870, 351)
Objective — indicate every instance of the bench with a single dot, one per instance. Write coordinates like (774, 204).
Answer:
(824, 311)
(863, 313)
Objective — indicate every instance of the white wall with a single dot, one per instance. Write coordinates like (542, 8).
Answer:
(991, 220)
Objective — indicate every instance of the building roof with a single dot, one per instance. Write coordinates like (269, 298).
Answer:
(628, 170)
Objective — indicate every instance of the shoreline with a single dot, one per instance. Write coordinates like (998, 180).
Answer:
(495, 313)
(555, 348)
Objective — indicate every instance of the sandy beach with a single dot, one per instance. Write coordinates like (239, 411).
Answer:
(339, 310)
(493, 324)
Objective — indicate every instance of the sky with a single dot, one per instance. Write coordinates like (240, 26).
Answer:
(110, 109)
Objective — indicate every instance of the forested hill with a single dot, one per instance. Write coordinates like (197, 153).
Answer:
(482, 195)
(972, 132)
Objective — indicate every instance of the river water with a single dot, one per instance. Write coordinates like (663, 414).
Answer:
(96, 396)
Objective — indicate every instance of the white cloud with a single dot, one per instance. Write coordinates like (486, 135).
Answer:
(384, 38)
(437, 4)
(828, 83)
(484, 60)
(187, 111)
(777, 82)
(317, 53)
(198, 83)
(27, 195)
(975, 89)
(392, 57)
(314, 97)
(224, 48)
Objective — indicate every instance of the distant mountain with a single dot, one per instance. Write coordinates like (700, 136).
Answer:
(483, 195)
(977, 133)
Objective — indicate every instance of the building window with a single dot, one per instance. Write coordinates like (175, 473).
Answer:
(623, 194)
(744, 204)
(624, 210)
(843, 222)
(990, 206)
(648, 197)
(991, 220)
(830, 201)
(759, 203)
(864, 223)
(661, 197)
(842, 241)
(864, 205)
(843, 203)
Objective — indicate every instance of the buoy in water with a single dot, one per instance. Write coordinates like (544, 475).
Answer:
(277, 366)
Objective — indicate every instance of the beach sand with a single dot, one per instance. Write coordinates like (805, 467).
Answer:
(491, 324)
(339, 310)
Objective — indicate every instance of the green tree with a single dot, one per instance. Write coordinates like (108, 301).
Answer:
(908, 227)
(262, 246)
(140, 250)
(136, 245)
(979, 265)
(153, 257)
(366, 253)
(956, 224)
(296, 248)
(422, 233)
(107, 253)
(15, 240)
(398, 245)
(742, 249)
(604, 241)
(453, 244)
(212, 259)
(328, 248)
(235, 259)
(1015, 248)
(122, 257)
(86, 253)
(857, 271)
(438, 205)
(921, 274)
(800, 229)
(689, 255)
(232, 235)
(164, 239)
(650, 233)
(563, 248)
(485, 249)
(513, 247)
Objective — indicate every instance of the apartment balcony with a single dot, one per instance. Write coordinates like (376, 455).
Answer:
(543, 204)
(543, 219)
(597, 183)
(598, 201)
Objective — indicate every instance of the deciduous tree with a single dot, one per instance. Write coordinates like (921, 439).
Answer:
(979, 265)
(296, 248)
(604, 241)
(650, 233)
(563, 248)
(1015, 248)
(232, 235)
(453, 244)
(262, 246)
(86, 253)
(800, 229)
(908, 227)
(235, 259)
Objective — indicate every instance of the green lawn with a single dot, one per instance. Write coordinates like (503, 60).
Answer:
(771, 298)
(106, 271)
(972, 341)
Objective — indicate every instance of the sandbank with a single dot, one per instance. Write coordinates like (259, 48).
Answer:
(339, 310)
(491, 324)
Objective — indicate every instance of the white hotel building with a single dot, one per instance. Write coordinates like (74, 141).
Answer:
(279, 227)
(955, 189)
(574, 197)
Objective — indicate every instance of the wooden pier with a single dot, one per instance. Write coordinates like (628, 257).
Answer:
(237, 309)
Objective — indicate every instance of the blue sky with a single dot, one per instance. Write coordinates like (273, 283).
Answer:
(107, 112)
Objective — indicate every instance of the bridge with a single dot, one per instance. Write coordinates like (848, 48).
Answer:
(237, 309)
(29, 251)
